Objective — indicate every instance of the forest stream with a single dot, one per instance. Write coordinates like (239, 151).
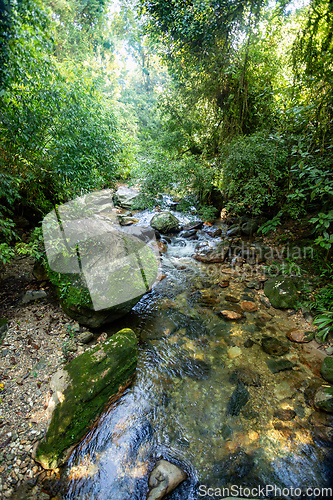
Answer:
(206, 396)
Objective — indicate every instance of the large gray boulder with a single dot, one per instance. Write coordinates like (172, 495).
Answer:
(125, 197)
(164, 478)
(165, 222)
(282, 292)
(100, 269)
(80, 392)
(211, 252)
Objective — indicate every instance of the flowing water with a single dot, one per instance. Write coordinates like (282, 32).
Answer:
(204, 396)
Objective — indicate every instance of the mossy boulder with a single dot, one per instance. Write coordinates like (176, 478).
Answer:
(165, 222)
(80, 392)
(327, 369)
(282, 292)
(323, 399)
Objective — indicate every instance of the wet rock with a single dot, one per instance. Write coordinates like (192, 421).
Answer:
(300, 336)
(188, 234)
(249, 306)
(282, 292)
(193, 225)
(162, 248)
(80, 391)
(211, 252)
(248, 343)
(265, 301)
(226, 431)
(234, 352)
(234, 230)
(224, 284)
(323, 399)
(165, 222)
(125, 197)
(230, 298)
(274, 347)
(85, 337)
(279, 365)
(231, 315)
(212, 231)
(32, 295)
(238, 399)
(164, 478)
(126, 221)
(326, 369)
(285, 415)
(253, 285)
(321, 418)
(246, 376)
(329, 350)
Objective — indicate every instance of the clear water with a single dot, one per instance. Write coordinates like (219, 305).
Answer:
(177, 407)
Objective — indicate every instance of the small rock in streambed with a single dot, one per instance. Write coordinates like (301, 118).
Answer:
(224, 284)
(85, 337)
(238, 399)
(164, 478)
(246, 376)
(323, 399)
(279, 365)
(249, 306)
(285, 415)
(231, 315)
(248, 343)
(231, 298)
(274, 347)
(300, 336)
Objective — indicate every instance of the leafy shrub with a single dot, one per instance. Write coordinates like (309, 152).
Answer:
(252, 171)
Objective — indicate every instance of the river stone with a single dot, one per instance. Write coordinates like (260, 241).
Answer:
(274, 347)
(85, 337)
(165, 222)
(211, 252)
(326, 369)
(249, 306)
(231, 298)
(238, 399)
(125, 197)
(231, 315)
(300, 336)
(323, 399)
(281, 291)
(284, 414)
(164, 478)
(234, 230)
(80, 392)
(279, 365)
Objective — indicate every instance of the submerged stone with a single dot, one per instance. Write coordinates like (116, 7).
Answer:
(238, 399)
(323, 399)
(231, 315)
(285, 415)
(80, 392)
(300, 336)
(246, 376)
(274, 347)
(279, 365)
(281, 291)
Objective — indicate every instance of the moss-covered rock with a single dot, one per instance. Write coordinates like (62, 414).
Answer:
(80, 392)
(165, 222)
(281, 291)
(327, 369)
(323, 399)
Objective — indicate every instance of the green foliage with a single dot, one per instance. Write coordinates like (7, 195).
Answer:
(35, 247)
(271, 225)
(207, 213)
(6, 254)
(323, 224)
(322, 304)
(253, 169)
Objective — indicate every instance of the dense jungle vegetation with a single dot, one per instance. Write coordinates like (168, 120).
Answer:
(225, 96)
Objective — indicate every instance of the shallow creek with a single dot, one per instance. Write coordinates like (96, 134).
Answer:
(183, 407)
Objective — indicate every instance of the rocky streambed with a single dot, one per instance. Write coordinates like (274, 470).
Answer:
(225, 385)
